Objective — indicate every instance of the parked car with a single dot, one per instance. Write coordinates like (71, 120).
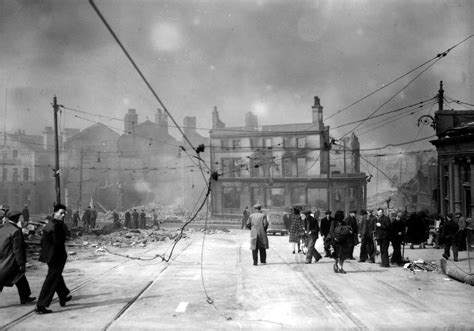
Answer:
(276, 223)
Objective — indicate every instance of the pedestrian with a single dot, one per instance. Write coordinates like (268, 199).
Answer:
(354, 239)
(245, 217)
(296, 229)
(142, 217)
(366, 232)
(128, 219)
(461, 236)
(75, 218)
(26, 214)
(450, 237)
(324, 230)
(93, 217)
(156, 223)
(258, 224)
(340, 234)
(382, 225)
(134, 219)
(416, 230)
(116, 219)
(312, 230)
(13, 256)
(397, 232)
(86, 218)
(53, 252)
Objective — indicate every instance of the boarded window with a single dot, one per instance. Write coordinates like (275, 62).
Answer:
(231, 197)
(301, 167)
(288, 164)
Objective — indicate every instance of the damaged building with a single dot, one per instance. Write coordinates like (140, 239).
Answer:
(282, 165)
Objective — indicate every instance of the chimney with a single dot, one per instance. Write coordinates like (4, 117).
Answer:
(216, 122)
(161, 119)
(251, 122)
(318, 114)
(130, 120)
(189, 124)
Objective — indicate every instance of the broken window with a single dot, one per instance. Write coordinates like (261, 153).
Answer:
(231, 197)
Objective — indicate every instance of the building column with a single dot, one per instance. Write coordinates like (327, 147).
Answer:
(457, 189)
(451, 186)
(472, 190)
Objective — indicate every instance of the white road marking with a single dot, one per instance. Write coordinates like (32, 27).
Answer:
(182, 307)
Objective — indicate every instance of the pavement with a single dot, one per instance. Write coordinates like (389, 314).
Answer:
(210, 283)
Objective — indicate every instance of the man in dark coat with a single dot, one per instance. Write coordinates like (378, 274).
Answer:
(26, 214)
(312, 229)
(134, 219)
(128, 219)
(53, 252)
(13, 257)
(86, 218)
(142, 219)
(93, 217)
(324, 230)
(245, 217)
(353, 240)
(366, 232)
(382, 225)
(450, 237)
(397, 232)
(258, 224)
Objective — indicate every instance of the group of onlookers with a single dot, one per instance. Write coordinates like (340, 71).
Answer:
(374, 230)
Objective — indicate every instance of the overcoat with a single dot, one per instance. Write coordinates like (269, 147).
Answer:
(12, 253)
(258, 224)
(296, 228)
(53, 249)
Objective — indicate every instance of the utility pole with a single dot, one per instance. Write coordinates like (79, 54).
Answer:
(56, 145)
(440, 96)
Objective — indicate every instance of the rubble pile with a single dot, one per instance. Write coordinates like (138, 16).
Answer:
(420, 265)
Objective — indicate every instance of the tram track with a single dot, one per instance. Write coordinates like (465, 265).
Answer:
(19, 320)
(333, 303)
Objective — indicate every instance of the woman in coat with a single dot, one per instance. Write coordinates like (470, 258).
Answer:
(342, 249)
(296, 228)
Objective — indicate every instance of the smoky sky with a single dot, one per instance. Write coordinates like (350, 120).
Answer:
(269, 57)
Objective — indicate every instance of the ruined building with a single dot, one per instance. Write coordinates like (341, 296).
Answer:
(282, 165)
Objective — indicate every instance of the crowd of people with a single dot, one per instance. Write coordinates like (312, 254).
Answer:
(374, 230)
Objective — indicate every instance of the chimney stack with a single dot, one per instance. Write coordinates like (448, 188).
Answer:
(216, 122)
(318, 114)
(161, 119)
(130, 120)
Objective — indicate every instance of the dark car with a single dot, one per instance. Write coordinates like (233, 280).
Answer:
(276, 223)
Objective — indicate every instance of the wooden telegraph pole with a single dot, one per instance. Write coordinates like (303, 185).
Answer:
(56, 145)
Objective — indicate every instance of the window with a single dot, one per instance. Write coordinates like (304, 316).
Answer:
(301, 142)
(26, 174)
(301, 167)
(236, 144)
(254, 143)
(275, 197)
(298, 195)
(256, 195)
(15, 175)
(318, 197)
(288, 142)
(237, 167)
(14, 154)
(4, 174)
(268, 142)
(231, 197)
(227, 170)
(288, 167)
(254, 167)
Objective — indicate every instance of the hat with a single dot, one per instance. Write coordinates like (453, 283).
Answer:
(328, 212)
(14, 215)
(4, 207)
(353, 211)
(257, 205)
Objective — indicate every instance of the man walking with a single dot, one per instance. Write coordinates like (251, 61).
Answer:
(245, 217)
(383, 236)
(325, 226)
(312, 228)
(13, 257)
(258, 224)
(53, 252)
